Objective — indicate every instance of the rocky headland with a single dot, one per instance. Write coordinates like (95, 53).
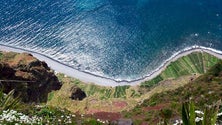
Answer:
(31, 79)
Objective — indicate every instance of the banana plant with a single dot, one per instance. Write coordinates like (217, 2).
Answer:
(210, 114)
(209, 117)
(188, 113)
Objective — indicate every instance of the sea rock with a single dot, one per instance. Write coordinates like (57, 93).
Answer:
(32, 79)
(77, 93)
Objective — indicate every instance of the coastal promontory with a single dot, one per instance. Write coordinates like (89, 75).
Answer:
(31, 79)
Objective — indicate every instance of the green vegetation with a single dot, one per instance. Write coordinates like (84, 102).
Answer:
(160, 104)
(120, 91)
(1, 55)
(102, 92)
(209, 117)
(210, 114)
(8, 55)
(188, 113)
(166, 114)
(50, 96)
(195, 63)
(203, 92)
(12, 111)
(102, 96)
(7, 101)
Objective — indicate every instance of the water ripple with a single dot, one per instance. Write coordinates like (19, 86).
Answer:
(116, 39)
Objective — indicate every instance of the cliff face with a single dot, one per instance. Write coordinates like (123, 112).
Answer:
(32, 79)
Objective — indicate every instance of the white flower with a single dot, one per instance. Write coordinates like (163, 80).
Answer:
(197, 119)
(199, 112)
(14, 116)
(178, 122)
(69, 121)
(219, 114)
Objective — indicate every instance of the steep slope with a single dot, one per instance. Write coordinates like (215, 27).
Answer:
(205, 90)
(31, 78)
(195, 63)
(117, 99)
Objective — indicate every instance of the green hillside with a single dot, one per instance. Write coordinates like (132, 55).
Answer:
(171, 78)
(181, 81)
(195, 63)
(205, 91)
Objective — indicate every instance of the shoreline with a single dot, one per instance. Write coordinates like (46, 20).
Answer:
(104, 81)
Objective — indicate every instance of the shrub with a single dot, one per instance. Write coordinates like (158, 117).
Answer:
(7, 101)
(166, 114)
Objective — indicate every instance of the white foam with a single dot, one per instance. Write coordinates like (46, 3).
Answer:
(93, 77)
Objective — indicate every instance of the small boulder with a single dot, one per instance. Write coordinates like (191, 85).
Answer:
(77, 93)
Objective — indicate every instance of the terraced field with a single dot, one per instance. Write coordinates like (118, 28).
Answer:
(195, 63)
(104, 92)
(175, 75)
(120, 91)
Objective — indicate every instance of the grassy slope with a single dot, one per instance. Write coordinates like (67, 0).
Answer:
(102, 97)
(195, 63)
(99, 98)
(205, 90)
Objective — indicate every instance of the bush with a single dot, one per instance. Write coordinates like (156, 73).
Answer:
(7, 101)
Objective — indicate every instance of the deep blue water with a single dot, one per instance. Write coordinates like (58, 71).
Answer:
(120, 39)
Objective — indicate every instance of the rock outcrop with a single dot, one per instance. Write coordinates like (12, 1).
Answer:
(77, 93)
(32, 79)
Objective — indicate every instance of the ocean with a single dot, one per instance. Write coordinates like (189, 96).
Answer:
(117, 39)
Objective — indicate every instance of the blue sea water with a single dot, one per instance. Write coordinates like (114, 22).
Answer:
(118, 39)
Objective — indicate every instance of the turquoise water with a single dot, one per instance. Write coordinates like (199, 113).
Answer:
(118, 39)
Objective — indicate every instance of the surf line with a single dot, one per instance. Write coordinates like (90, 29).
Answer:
(89, 77)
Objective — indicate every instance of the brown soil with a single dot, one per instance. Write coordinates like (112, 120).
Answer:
(120, 104)
(156, 107)
(111, 116)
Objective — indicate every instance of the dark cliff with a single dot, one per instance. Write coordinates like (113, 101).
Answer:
(32, 79)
